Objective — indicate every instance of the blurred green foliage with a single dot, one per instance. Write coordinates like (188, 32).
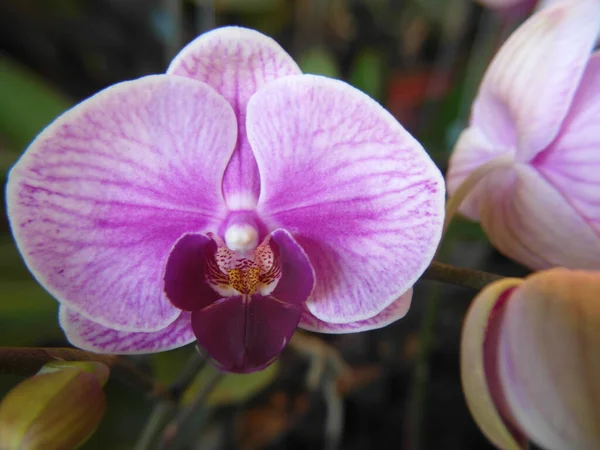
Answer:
(319, 61)
(28, 105)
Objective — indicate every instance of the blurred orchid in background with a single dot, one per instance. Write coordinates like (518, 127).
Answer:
(517, 7)
(530, 362)
(228, 201)
(527, 167)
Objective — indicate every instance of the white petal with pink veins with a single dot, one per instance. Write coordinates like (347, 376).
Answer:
(88, 335)
(237, 62)
(529, 86)
(102, 194)
(528, 220)
(395, 311)
(357, 192)
(572, 162)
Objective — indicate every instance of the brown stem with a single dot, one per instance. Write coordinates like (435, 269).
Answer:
(28, 361)
(172, 430)
(474, 279)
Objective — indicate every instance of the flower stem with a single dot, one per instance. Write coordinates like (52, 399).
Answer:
(164, 411)
(28, 361)
(172, 430)
(458, 276)
(454, 202)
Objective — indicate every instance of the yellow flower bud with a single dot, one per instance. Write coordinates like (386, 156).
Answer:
(56, 409)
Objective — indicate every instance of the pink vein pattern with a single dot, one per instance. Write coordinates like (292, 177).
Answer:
(237, 62)
(98, 200)
(358, 193)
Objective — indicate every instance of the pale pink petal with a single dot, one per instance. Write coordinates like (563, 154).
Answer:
(88, 335)
(549, 358)
(357, 192)
(100, 197)
(472, 151)
(529, 86)
(530, 221)
(572, 162)
(236, 62)
(395, 311)
(478, 346)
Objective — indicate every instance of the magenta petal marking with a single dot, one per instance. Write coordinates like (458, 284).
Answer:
(358, 193)
(99, 198)
(297, 275)
(395, 311)
(529, 86)
(236, 62)
(245, 334)
(572, 162)
(88, 335)
(185, 273)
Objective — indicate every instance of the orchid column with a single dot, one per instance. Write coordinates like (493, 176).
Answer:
(228, 201)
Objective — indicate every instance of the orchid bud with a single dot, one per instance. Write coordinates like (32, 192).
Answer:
(530, 363)
(56, 409)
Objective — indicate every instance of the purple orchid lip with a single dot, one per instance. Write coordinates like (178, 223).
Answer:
(113, 206)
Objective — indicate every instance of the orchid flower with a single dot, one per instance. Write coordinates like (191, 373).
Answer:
(229, 202)
(530, 364)
(528, 165)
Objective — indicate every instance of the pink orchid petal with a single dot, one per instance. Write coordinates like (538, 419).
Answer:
(88, 335)
(359, 194)
(395, 311)
(479, 382)
(297, 274)
(185, 272)
(572, 162)
(472, 150)
(100, 197)
(530, 221)
(245, 335)
(237, 62)
(528, 88)
(549, 361)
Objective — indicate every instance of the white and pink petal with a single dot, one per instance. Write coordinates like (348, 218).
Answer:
(236, 62)
(89, 335)
(527, 219)
(395, 311)
(100, 197)
(472, 152)
(572, 162)
(529, 86)
(358, 193)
